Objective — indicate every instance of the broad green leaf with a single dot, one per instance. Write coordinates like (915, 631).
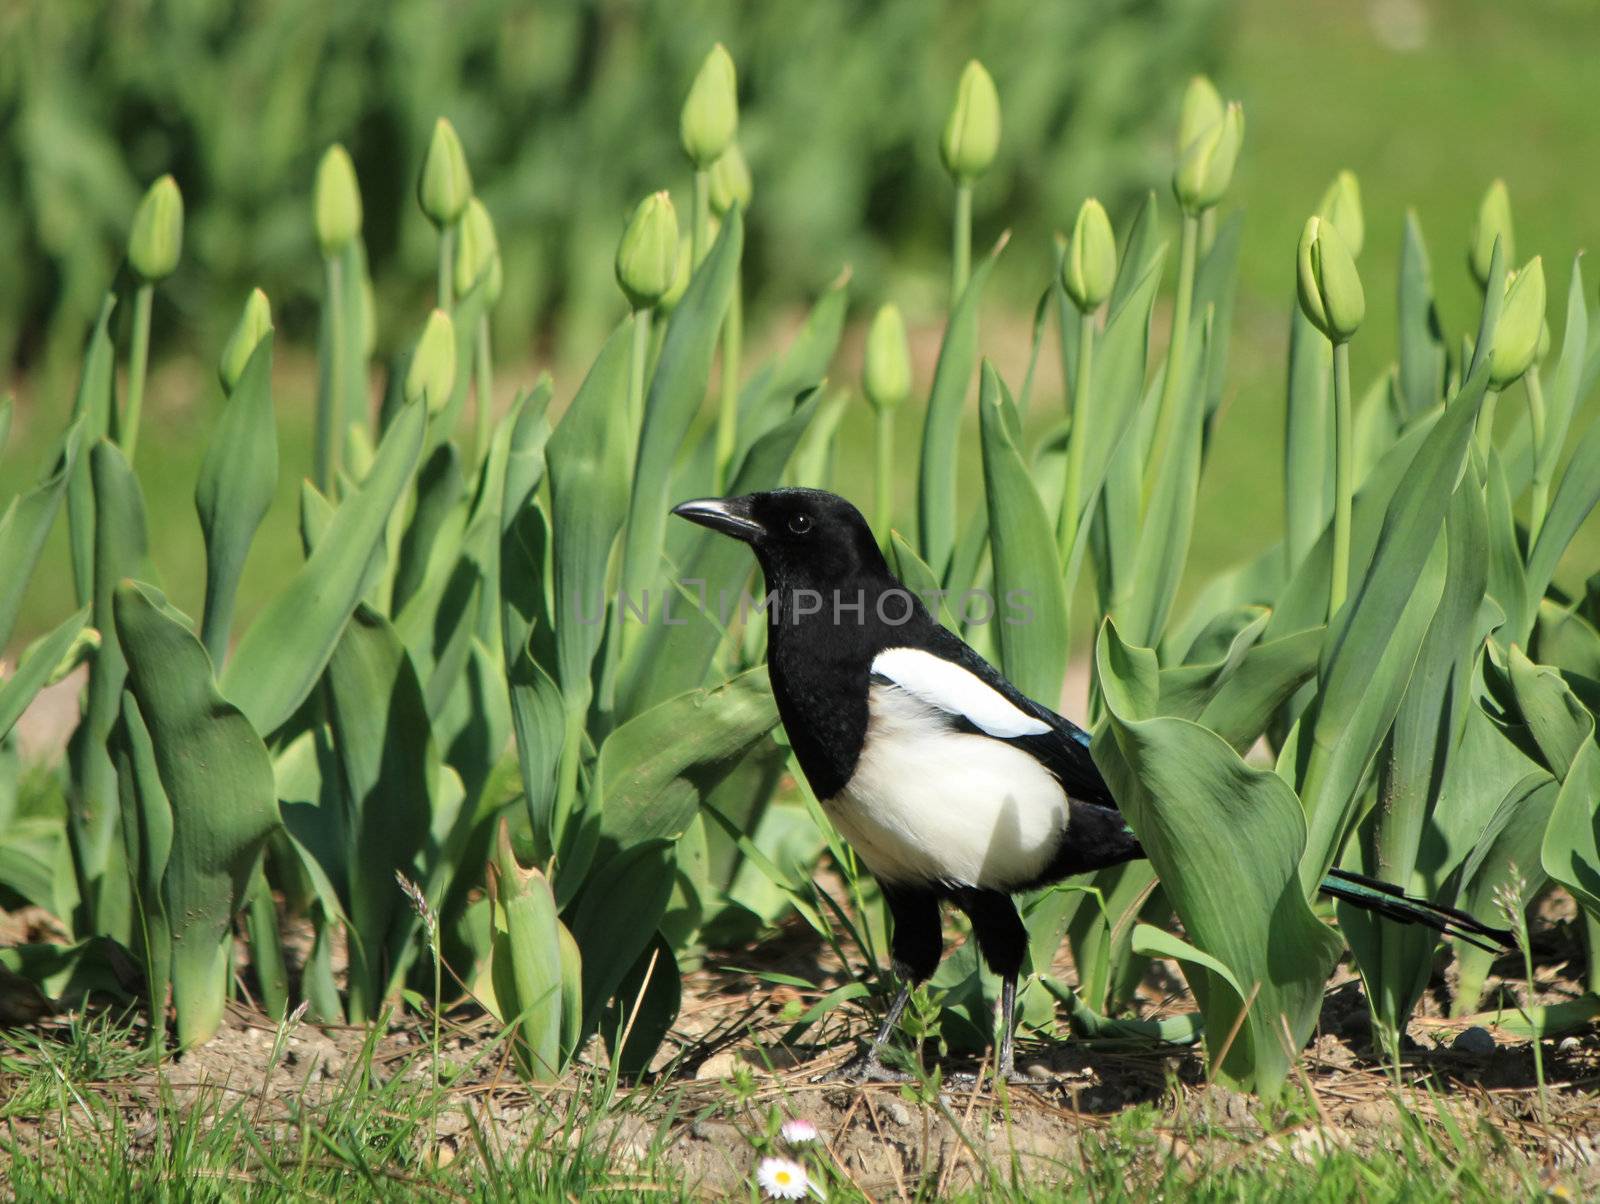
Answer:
(37, 666)
(676, 391)
(1507, 579)
(654, 769)
(917, 577)
(1574, 499)
(389, 769)
(536, 709)
(612, 927)
(432, 537)
(238, 478)
(25, 525)
(119, 552)
(1424, 355)
(1033, 652)
(147, 839)
(1566, 389)
(675, 656)
(1215, 282)
(1373, 642)
(1566, 639)
(527, 963)
(281, 656)
(218, 778)
(525, 450)
(588, 499)
(1189, 796)
(646, 1006)
(1571, 849)
(941, 429)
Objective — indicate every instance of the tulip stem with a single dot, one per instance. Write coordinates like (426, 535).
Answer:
(728, 412)
(138, 366)
(1077, 441)
(961, 243)
(447, 244)
(700, 230)
(883, 505)
(325, 448)
(1183, 304)
(1542, 456)
(484, 369)
(636, 369)
(1343, 455)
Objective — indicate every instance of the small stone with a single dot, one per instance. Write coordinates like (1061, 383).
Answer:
(897, 1112)
(1474, 1040)
(718, 1066)
(1569, 1045)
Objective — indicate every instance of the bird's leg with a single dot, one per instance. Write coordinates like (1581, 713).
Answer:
(1005, 1069)
(915, 946)
(1003, 941)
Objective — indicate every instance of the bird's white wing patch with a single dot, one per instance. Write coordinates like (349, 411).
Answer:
(948, 687)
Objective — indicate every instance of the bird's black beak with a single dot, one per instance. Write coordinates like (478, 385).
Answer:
(730, 515)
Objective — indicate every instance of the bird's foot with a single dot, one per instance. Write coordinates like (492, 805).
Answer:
(865, 1068)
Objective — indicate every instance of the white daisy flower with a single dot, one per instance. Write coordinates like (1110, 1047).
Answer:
(799, 1132)
(782, 1179)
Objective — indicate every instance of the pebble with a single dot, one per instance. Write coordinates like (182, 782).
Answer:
(896, 1111)
(717, 1066)
(1570, 1045)
(1474, 1040)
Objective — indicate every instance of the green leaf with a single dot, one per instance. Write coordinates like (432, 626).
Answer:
(147, 839)
(612, 927)
(24, 527)
(655, 769)
(38, 665)
(941, 430)
(280, 657)
(1424, 356)
(646, 1006)
(218, 778)
(1189, 795)
(93, 409)
(1373, 642)
(389, 769)
(588, 499)
(527, 964)
(536, 707)
(1308, 481)
(676, 391)
(238, 478)
(1026, 567)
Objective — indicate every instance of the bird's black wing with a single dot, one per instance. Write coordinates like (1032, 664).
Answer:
(1057, 743)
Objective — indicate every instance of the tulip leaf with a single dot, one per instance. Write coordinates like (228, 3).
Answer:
(1424, 356)
(526, 964)
(238, 478)
(941, 429)
(36, 668)
(25, 525)
(147, 839)
(1307, 468)
(1033, 653)
(281, 656)
(676, 390)
(218, 779)
(1189, 795)
(93, 409)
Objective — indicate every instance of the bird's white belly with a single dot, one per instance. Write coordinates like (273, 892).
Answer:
(930, 804)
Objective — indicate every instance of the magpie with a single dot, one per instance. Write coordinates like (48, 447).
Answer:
(950, 784)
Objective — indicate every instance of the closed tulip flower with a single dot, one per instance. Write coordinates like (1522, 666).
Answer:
(477, 252)
(156, 239)
(432, 375)
(972, 131)
(1493, 222)
(1206, 162)
(254, 324)
(445, 186)
(886, 367)
(1517, 334)
(710, 116)
(1089, 269)
(1341, 205)
(1330, 287)
(730, 181)
(647, 256)
(337, 201)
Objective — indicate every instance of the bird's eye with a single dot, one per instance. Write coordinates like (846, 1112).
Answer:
(800, 523)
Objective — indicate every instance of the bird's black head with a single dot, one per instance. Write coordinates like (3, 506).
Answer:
(804, 538)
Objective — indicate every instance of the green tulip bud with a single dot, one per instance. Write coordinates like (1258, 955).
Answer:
(1341, 205)
(432, 375)
(1516, 334)
(1330, 287)
(972, 131)
(255, 323)
(680, 279)
(156, 239)
(710, 116)
(730, 181)
(477, 252)
(886, 367)
(1493, 221)
(1206, 162)
(1202, 108)
(445, 186)
(337, 204)
(647, 256)
(1090, 267)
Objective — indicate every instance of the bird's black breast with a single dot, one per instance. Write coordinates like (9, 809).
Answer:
(822, 699)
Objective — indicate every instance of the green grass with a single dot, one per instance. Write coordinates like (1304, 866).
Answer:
(84, 1118)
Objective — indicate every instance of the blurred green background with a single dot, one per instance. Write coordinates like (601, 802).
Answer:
(569, 111)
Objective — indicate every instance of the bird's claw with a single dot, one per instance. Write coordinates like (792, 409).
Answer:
(865, 1068)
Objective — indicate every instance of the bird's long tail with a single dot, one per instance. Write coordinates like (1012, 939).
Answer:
(1393, 903)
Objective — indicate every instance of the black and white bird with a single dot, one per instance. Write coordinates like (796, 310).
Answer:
(949, 783)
